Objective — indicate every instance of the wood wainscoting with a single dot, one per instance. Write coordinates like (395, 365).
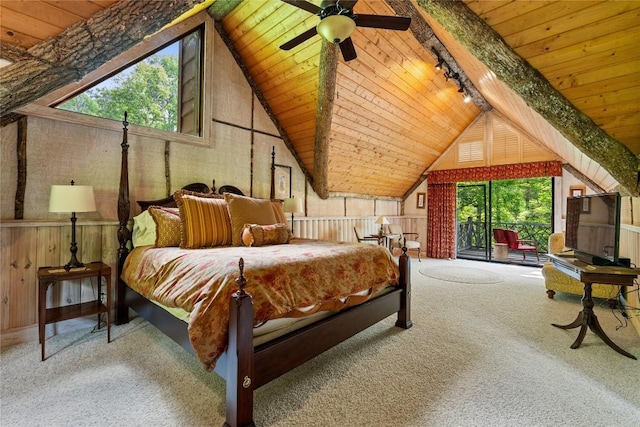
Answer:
(28, 245)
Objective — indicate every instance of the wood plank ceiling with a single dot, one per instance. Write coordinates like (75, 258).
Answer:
(393, 113)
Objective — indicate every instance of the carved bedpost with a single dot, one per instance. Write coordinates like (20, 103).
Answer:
(273, 173)
(124, 235)
(240, 373)
(404, 315)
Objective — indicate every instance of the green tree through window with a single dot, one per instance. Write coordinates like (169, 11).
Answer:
(149, 90)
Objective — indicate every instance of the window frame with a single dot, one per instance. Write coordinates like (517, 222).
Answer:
(44, 107)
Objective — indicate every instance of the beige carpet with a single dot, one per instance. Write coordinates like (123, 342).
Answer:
(450, 273)
(476, 356)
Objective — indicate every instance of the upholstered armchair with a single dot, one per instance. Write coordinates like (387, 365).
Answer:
(397, 239)
(555, 280)
(364, 239)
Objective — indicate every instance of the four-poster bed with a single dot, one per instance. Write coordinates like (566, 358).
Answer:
(245, 365)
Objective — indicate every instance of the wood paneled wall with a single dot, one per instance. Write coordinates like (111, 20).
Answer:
(27, 246)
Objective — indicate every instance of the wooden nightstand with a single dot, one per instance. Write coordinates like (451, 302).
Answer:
(53, 275)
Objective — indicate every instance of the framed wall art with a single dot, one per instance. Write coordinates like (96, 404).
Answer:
(576, 191)
(420, 200)
(282, 181)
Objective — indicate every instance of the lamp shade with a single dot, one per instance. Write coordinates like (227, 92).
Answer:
(72, 198)
(293, 205)
(336, 28)
(382, 220)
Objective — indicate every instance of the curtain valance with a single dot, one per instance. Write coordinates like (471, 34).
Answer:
(488, 173)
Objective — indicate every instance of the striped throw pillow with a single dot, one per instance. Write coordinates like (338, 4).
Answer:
(204, 220)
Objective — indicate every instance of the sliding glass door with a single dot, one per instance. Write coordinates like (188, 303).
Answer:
(523, 205)
(473, 240)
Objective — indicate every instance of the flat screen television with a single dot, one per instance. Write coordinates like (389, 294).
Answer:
(593, 228)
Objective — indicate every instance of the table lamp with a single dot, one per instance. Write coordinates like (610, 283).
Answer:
(292, 205)
(72, 198)
(382, 220)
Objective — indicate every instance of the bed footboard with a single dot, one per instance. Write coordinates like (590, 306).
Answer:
(248, 368)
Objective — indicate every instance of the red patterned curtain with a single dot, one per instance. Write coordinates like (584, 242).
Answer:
(441, 220)
(488, 173)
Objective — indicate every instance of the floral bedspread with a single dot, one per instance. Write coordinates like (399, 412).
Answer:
(280, 278)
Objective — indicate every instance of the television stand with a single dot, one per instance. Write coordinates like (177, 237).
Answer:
(589, 274)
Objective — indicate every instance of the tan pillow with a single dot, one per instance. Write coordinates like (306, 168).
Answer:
(167, 222)
(247, 210)
(278, 211)
(204, 220)
(261, 235)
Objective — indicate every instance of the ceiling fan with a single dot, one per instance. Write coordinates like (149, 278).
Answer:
(337, 23)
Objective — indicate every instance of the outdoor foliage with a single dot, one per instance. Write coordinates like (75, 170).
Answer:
(148, 91)
(513, 201)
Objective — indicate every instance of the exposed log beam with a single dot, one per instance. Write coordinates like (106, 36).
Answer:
(429, 41)
(328, 70)
(83, 47)
(220, 9)
(486, 45)
(21, 151)
(13, 53)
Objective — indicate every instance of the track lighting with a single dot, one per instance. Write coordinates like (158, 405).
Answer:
(467, 97)
(450, 75)
(439, 64)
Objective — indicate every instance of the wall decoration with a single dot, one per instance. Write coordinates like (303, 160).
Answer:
(282, 182)
(420, 200)
(576, 191)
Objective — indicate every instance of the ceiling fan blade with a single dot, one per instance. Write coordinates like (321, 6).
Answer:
(348, 4)
(348, 49)
(299, 39)
(304, 5)
(383, 21)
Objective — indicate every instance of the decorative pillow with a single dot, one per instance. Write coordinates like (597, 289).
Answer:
(144, 230)
(204, 220)
(261, 235)
(247, 210)
(167, 222)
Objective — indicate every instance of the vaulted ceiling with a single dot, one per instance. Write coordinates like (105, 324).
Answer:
(564, 73)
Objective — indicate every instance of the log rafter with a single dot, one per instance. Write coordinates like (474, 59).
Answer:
(486, 45)
(83, 47)
(328, 70)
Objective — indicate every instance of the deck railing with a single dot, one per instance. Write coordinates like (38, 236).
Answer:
(473, 235)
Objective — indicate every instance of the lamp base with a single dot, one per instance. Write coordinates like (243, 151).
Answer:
(73, 263)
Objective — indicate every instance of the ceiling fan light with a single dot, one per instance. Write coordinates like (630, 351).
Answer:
(336, 28)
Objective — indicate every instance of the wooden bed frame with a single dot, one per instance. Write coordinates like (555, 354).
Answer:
(248, 368)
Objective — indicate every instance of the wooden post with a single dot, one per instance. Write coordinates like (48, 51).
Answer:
(404, 315)
(22, 168)
(124, 235)
(240, 372)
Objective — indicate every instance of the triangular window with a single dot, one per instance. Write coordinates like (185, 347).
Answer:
(161, 91)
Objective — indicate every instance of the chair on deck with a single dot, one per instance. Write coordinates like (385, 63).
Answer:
(518, 244)
(398, 239)
(500, 236)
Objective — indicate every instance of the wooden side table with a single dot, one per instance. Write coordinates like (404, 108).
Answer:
(53, 275)
(589, 274)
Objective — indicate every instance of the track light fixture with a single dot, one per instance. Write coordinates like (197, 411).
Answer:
(451, 75)
(441, 62)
